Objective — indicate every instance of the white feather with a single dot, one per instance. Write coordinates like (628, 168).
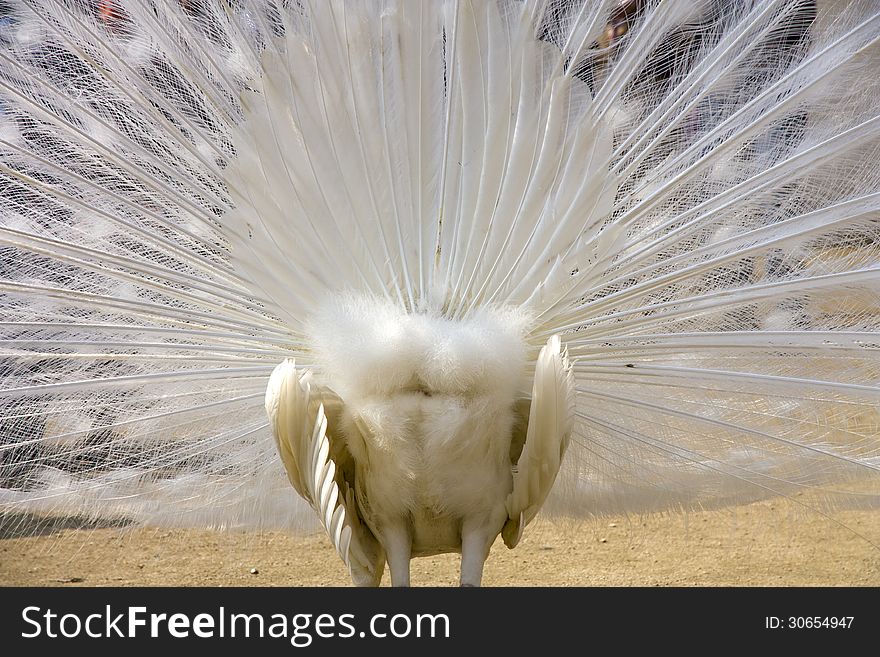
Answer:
(299, 426)
(412, 200)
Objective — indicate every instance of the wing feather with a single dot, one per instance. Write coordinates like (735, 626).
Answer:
(550, 423)
(299, 424)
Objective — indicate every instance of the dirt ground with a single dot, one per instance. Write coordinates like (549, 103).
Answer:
(757, 545)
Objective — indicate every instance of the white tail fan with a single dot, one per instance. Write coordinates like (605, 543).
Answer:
(411, 199)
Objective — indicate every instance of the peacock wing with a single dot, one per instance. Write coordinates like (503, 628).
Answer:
(542, 436)
(320, 467)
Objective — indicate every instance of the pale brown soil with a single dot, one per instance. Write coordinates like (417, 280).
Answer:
(757, 545)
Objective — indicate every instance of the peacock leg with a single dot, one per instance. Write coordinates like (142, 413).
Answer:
(475, 543)
(398, 551)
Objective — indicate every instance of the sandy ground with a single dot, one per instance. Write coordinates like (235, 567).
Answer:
(758, 545)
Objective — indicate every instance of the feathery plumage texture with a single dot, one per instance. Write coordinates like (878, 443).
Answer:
(411, 199)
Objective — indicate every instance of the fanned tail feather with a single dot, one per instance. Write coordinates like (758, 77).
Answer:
(689, 200)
